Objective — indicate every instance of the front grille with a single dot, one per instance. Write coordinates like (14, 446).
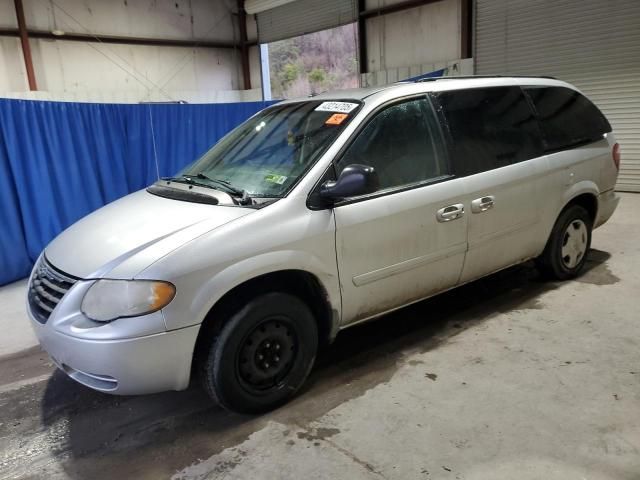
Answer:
(48, 286)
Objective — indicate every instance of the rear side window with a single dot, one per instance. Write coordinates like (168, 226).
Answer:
(567, 118)
(489, 128)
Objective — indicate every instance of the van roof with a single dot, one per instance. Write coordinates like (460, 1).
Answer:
(433, 84)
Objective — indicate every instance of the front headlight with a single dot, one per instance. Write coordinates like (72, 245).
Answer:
(107, 300)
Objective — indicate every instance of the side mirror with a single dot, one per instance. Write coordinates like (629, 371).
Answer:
(354, 180)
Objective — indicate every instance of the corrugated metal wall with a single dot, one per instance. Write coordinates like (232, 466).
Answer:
(256, 6)
(593, 44)
(304, 16)
(452, 68)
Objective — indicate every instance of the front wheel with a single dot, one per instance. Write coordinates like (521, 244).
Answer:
(262, 355)
(566, 251)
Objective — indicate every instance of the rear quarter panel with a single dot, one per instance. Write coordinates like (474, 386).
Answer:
(608, 170)
(571, 173)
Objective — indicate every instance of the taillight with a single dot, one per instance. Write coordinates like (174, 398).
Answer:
(615, 154)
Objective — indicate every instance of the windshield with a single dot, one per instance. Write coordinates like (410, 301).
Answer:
(267, 154)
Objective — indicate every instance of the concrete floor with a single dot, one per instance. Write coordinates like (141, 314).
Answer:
(510, 378)
(15, 337)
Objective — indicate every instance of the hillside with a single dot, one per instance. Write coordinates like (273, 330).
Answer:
(314, 63)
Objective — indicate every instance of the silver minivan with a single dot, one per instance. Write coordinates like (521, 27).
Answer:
(315, 215)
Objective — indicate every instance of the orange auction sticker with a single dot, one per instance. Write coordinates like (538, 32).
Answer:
(336, 119)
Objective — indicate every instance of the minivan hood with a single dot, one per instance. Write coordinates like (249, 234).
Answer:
(131, 226)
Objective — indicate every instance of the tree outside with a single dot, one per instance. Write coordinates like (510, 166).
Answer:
(314, 63)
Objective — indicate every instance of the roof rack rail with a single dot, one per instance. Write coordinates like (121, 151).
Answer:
(464, 77)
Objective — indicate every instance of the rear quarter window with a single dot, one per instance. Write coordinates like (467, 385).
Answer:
(567, 118)
(488, 128)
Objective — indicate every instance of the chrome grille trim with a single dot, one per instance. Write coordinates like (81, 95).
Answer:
(53, 286)
(42, 305)
(44, 294)
(48, 286)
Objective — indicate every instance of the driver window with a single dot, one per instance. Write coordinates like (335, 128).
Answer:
(403, 143)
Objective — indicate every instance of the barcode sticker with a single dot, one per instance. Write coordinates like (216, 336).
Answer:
(340, 107)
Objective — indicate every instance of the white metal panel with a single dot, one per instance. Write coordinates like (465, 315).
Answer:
(195, 19)
(304, 16)
(463, 66)
(591, 43)
(13, 75)
(91, 70)
(8, 15)
(425, 34)
(97, 71)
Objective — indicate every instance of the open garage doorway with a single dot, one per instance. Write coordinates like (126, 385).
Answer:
(314, 63)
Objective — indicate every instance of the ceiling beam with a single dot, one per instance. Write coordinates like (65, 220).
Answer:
(396, 7)
(112, 39)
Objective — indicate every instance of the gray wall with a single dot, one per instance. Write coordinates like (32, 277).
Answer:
(96, 71)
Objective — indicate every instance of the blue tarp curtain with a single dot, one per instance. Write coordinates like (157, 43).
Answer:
(60, 161)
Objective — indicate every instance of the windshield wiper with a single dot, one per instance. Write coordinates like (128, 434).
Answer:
(245, 199)
(186, 179)
(225, 183)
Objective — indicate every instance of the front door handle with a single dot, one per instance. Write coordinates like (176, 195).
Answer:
(449, 213)
(483, 204)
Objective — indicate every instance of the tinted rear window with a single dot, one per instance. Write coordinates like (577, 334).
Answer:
(489, 128)
(567, 118)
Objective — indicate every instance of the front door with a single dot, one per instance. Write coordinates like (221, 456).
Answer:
(408, 240)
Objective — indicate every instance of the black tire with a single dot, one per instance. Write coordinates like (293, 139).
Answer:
(552, 263)
(262, 355)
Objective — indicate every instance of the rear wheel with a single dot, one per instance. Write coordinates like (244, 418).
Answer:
(566, 250)
(262, 355)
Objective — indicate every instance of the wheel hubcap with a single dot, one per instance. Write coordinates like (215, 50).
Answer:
(267, 354)
(574, 244)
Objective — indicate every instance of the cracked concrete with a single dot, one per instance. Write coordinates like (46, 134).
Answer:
(508, 377)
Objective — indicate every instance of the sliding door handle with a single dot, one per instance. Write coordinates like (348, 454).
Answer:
(483, 204)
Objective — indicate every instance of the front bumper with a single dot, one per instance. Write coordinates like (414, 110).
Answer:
(131, 366)
(127, 357)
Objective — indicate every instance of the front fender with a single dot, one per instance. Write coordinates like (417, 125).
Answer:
(192, 309)
(238, 273)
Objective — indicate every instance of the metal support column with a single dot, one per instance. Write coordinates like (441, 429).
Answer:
(466, 28)
(244, 45)
(26, 49)
(362, 37)
(264, 72)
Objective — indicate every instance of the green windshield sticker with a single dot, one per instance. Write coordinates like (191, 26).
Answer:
(273, 178)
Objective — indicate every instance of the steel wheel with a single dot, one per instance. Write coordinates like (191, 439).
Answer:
(262, 355)
(574, 243)
(267, 354)
(566, 251)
